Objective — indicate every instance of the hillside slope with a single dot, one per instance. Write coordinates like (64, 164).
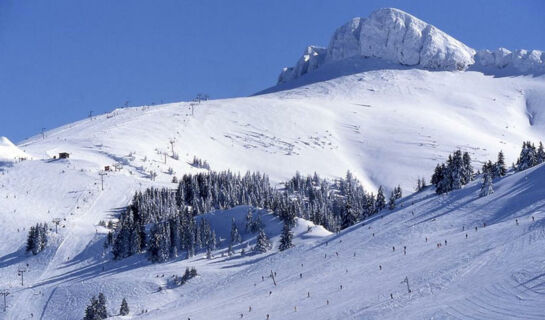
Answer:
(388, 127)
(496, 272)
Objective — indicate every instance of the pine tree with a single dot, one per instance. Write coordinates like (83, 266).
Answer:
(381, 200)
(437, 175)
(262, 244)
(101, 307)
(500, 165)
(37, 238)
(350, 216)
(124, 309)
(398, 193)
(235, 235)
(457, 172)
(96, 310)
(540, 153)
(286, 238)
(392, 201)
(90, 311)
(486, 187)
(528, 156)
(249, 220)
(467, 171)
(30, 243)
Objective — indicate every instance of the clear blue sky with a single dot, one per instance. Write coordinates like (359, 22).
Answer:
(60, 59)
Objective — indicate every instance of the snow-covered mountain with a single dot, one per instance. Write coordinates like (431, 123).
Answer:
(9, 152)
(388, 115)
(397, 37)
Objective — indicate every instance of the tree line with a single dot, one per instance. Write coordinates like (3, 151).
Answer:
(163, 222)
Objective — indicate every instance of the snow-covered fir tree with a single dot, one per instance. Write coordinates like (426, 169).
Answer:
(124, 308)
(392, 201)
(501, 170)
(528, 156)
(262, 243)
(454, 174)
(37, 238)
(540, 153)
(486, 187)
(286, 238)
(235, 234)
(96, 310)
(398, 193)
(381, 200)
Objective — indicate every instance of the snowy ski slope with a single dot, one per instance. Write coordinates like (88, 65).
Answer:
(388, 127)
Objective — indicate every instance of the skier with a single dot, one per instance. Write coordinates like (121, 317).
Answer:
(308, 294)
(466, 235)
(393, 248)
(300, 276)
(380, 267)
(250, 309)
(517, 221)
(445, 242)
(341, 287)
(391, 296)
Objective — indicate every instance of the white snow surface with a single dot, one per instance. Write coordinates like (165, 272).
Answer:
(504, 62)
(10, 152)
(397, 37)
(388, 127)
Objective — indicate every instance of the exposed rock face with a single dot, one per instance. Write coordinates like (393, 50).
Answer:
(345, 42)
(398, 37)
(312, 58)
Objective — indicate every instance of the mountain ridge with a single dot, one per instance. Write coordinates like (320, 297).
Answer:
(397, 37)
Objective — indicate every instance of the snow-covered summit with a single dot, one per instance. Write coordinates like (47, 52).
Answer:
(9, 152)
(396, 37)
(392, 35)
